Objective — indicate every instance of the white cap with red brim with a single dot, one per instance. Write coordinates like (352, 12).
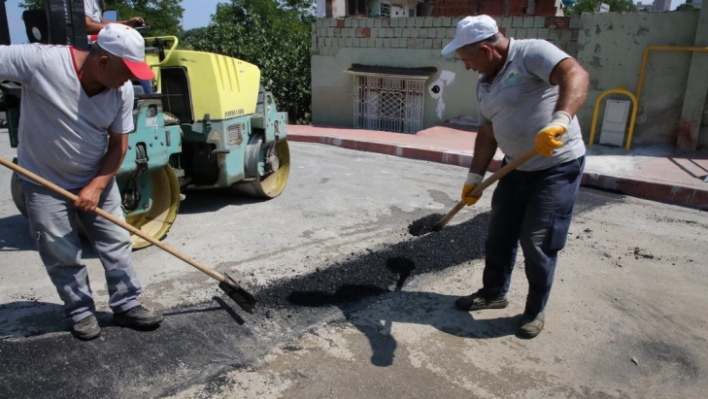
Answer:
(126, 43)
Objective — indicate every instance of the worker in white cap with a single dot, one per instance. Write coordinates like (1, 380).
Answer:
(77, 112)
(528, 93)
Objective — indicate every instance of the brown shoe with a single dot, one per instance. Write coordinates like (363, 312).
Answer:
(86, 329)
(477, 301)
(532, 326)
(138, 317)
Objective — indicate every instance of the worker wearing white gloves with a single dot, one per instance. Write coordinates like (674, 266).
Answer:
(528, 93)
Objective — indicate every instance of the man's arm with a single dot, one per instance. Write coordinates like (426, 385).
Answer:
(573, 82)
(21, 63)
(485, 146)
(89, 196)
(92, 27)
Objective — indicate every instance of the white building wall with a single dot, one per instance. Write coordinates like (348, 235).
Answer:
(339, 8)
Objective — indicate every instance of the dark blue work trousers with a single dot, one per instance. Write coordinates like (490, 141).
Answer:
(533, 208)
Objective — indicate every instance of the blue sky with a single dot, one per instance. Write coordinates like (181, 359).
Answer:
(196, 13)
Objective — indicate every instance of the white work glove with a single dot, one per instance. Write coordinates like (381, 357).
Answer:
(547, 139)
(472, 181)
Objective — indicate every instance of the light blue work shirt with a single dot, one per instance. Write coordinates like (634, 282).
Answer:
(520, 101)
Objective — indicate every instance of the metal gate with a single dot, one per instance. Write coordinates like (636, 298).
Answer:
(389, 104)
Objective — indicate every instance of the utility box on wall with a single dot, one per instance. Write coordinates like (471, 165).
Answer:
(614, 123)
(398, 10)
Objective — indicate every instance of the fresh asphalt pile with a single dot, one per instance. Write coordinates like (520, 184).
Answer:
(376, 272)
(424, 225)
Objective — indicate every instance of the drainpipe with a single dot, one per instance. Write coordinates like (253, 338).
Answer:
(530, 7)
(328, 8)
(374, 8)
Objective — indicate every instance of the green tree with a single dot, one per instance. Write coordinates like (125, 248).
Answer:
(685, 7)
(590, 6)
(32, 4)
(163, 16)
(273, 35)
(189, 36)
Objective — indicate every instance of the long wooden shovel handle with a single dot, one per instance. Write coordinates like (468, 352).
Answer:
(486, 183)
(115, 220)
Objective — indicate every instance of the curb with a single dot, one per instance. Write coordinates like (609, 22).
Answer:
(421, 154)
(654, 191)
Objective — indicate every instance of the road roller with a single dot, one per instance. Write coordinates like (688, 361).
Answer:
(209, 124)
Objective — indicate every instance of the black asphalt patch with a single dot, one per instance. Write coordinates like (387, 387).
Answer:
(199, 342)
(424, 225)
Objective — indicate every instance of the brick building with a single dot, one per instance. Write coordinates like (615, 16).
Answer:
(436, 8)
(455, 8)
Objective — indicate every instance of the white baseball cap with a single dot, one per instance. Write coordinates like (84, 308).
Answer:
(126, 43)
(472, 30)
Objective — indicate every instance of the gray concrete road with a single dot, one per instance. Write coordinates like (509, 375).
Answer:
(353, 306)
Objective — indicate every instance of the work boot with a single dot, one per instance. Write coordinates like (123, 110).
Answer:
(86, 328)
(532, 326)
(138, 317)
(478, 301)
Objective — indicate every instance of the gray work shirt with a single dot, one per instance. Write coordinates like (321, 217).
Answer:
(521, 100)
(63, 131)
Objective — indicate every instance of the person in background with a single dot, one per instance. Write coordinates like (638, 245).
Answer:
(95, 22)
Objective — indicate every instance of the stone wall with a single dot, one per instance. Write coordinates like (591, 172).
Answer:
(410, 43)
(611, 48)
(609, 45)
(426, 33)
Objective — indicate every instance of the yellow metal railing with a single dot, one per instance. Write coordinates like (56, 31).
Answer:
(619, 90)
(635, 99)
(663, 48)
(151, 52)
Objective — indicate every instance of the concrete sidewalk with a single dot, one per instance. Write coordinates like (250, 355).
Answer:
(654, 173)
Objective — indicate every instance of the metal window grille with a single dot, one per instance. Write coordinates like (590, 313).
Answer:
(385, 10)
(388, 104)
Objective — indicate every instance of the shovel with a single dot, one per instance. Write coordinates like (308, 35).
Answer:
(227, 284)
(486, 183)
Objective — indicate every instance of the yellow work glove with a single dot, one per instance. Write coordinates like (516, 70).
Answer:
(472, 181)
(547, 139)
